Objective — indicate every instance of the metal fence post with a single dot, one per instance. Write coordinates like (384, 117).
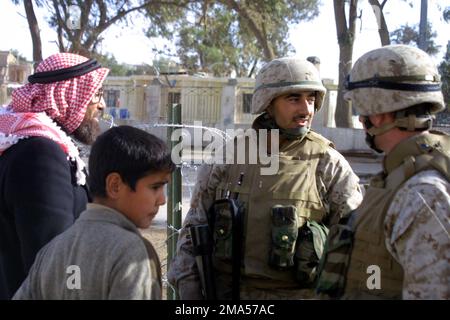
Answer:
(174, 195)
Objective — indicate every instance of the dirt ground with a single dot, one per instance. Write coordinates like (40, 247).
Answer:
(157, 235)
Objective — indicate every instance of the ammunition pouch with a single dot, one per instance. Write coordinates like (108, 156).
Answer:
(284, 236)
(221, 216)
(226, 219)
(310, 245)
(294, 247)
(335, 261)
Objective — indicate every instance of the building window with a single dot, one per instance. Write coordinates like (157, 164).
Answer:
(124, 113)
(174, 97)
(112, 98)
(12, 75)
(247, 102)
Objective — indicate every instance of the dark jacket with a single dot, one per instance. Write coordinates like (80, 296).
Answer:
(39, 199)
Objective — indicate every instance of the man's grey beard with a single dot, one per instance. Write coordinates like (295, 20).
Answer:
(87, 132)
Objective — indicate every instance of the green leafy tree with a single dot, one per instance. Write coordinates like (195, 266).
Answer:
(446, 14)
(165, 65)
(80, 23)
(444, 67)
(444, 70)
(217, 36)
(123, 69)
(409, 35)
(110, 62)
(20, 57)
(223, 36)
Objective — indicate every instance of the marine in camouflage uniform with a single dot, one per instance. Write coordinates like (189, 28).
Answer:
(402, 226)
(313, 178)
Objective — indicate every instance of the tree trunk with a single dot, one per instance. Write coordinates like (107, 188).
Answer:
(346, 38)
(34, 31)
(343, 113)
(383, 30)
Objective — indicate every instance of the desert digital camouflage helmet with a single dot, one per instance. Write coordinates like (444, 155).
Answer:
(394, 78)
(283, 76)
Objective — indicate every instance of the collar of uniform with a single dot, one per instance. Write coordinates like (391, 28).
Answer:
(411, 146)
(98, 212)
(286, 145)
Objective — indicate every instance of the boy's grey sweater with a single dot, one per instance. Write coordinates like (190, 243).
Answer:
(102, 256)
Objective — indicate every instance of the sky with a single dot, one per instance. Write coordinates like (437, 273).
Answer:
(312, 38)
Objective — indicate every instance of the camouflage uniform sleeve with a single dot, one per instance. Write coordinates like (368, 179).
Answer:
(417, 235)
(338, 185)
(183, 273)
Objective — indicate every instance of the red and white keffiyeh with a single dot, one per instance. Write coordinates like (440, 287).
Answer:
(16, 126)
(35, 108)
(63, 101)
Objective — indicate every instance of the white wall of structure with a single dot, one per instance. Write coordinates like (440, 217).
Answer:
(218, 103)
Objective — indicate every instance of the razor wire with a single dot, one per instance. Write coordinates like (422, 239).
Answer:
(189, 170)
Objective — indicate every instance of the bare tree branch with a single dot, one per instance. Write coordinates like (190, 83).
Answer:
(92, 32)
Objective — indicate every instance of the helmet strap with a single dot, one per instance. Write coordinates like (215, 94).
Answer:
(414, 123)
(371, 132)
(409, 123)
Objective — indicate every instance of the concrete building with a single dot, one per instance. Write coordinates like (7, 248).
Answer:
(145, 99)
(13, 73)
(221, 103)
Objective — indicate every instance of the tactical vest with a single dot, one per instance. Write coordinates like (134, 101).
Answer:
(418, 153)
(294, 184)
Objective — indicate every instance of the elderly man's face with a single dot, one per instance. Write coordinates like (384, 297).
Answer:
(89, 128)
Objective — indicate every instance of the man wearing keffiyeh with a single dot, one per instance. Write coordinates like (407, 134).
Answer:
(42, 177)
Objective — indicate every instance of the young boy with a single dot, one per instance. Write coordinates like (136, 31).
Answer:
(103, 255)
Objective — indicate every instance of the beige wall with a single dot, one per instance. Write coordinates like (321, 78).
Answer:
(201, 98)
(12, 75)
(206, 99)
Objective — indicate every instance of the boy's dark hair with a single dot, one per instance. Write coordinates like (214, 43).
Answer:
(131, 152)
